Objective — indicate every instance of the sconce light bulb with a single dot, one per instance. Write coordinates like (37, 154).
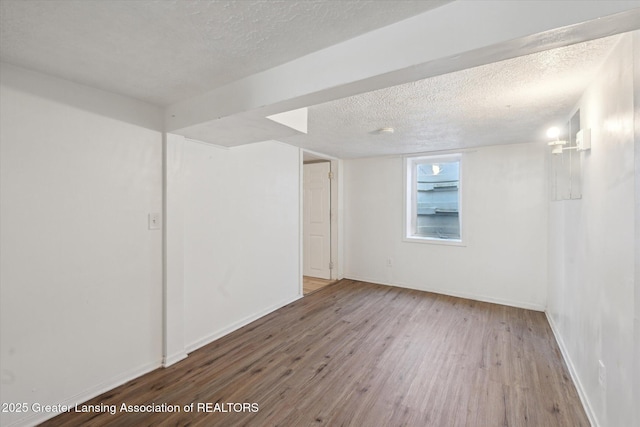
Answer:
(553, 132)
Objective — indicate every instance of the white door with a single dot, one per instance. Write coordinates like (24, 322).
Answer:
(317, 223)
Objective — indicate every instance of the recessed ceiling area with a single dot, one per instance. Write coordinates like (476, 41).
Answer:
(505, 102)
(511, 101)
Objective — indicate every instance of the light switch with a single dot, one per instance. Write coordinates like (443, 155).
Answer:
(154, 221)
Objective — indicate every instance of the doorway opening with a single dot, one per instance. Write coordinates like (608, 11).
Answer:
(317, 224)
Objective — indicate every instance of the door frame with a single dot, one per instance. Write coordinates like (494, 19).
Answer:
(320, 176)
(335, 216)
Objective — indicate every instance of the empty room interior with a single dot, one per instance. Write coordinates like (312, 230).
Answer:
(358, 213)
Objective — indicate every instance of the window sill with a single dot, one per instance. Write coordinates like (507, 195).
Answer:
(433, 241)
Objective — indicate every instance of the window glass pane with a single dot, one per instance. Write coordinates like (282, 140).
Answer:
(437, 199)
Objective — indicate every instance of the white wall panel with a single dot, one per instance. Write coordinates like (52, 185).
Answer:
(504, 220)
(591, 298)
(81, 273)
(241, 235)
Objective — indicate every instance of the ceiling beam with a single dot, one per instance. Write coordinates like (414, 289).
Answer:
(453, 37)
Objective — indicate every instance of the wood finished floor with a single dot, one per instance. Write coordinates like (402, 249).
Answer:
(312, 284)
(358, 354)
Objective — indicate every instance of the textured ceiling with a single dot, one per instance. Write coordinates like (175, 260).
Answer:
(166, 51)
(511, 101)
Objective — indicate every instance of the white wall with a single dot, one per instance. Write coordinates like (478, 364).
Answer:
(81, 274)
(636, 127)
(173, 283)
(504, 210)
(593, 251)
(241, 235)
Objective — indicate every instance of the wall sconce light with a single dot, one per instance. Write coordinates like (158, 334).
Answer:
(583, 141)
(557, 144)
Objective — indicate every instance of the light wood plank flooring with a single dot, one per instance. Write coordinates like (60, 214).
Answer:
(358, 354)
(312, 284)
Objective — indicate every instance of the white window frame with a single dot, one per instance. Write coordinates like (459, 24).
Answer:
(410, 198)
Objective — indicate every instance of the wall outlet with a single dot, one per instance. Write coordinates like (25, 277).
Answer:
(154, 221)
(602, 374)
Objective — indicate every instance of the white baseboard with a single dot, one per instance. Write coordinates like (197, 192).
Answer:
(88, 394)
(174, 358)
(475, 297)
(237, 325)
(572, 371)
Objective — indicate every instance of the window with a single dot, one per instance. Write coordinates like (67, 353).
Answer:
(433, 198)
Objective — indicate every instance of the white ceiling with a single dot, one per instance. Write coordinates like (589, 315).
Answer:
(167, 51)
